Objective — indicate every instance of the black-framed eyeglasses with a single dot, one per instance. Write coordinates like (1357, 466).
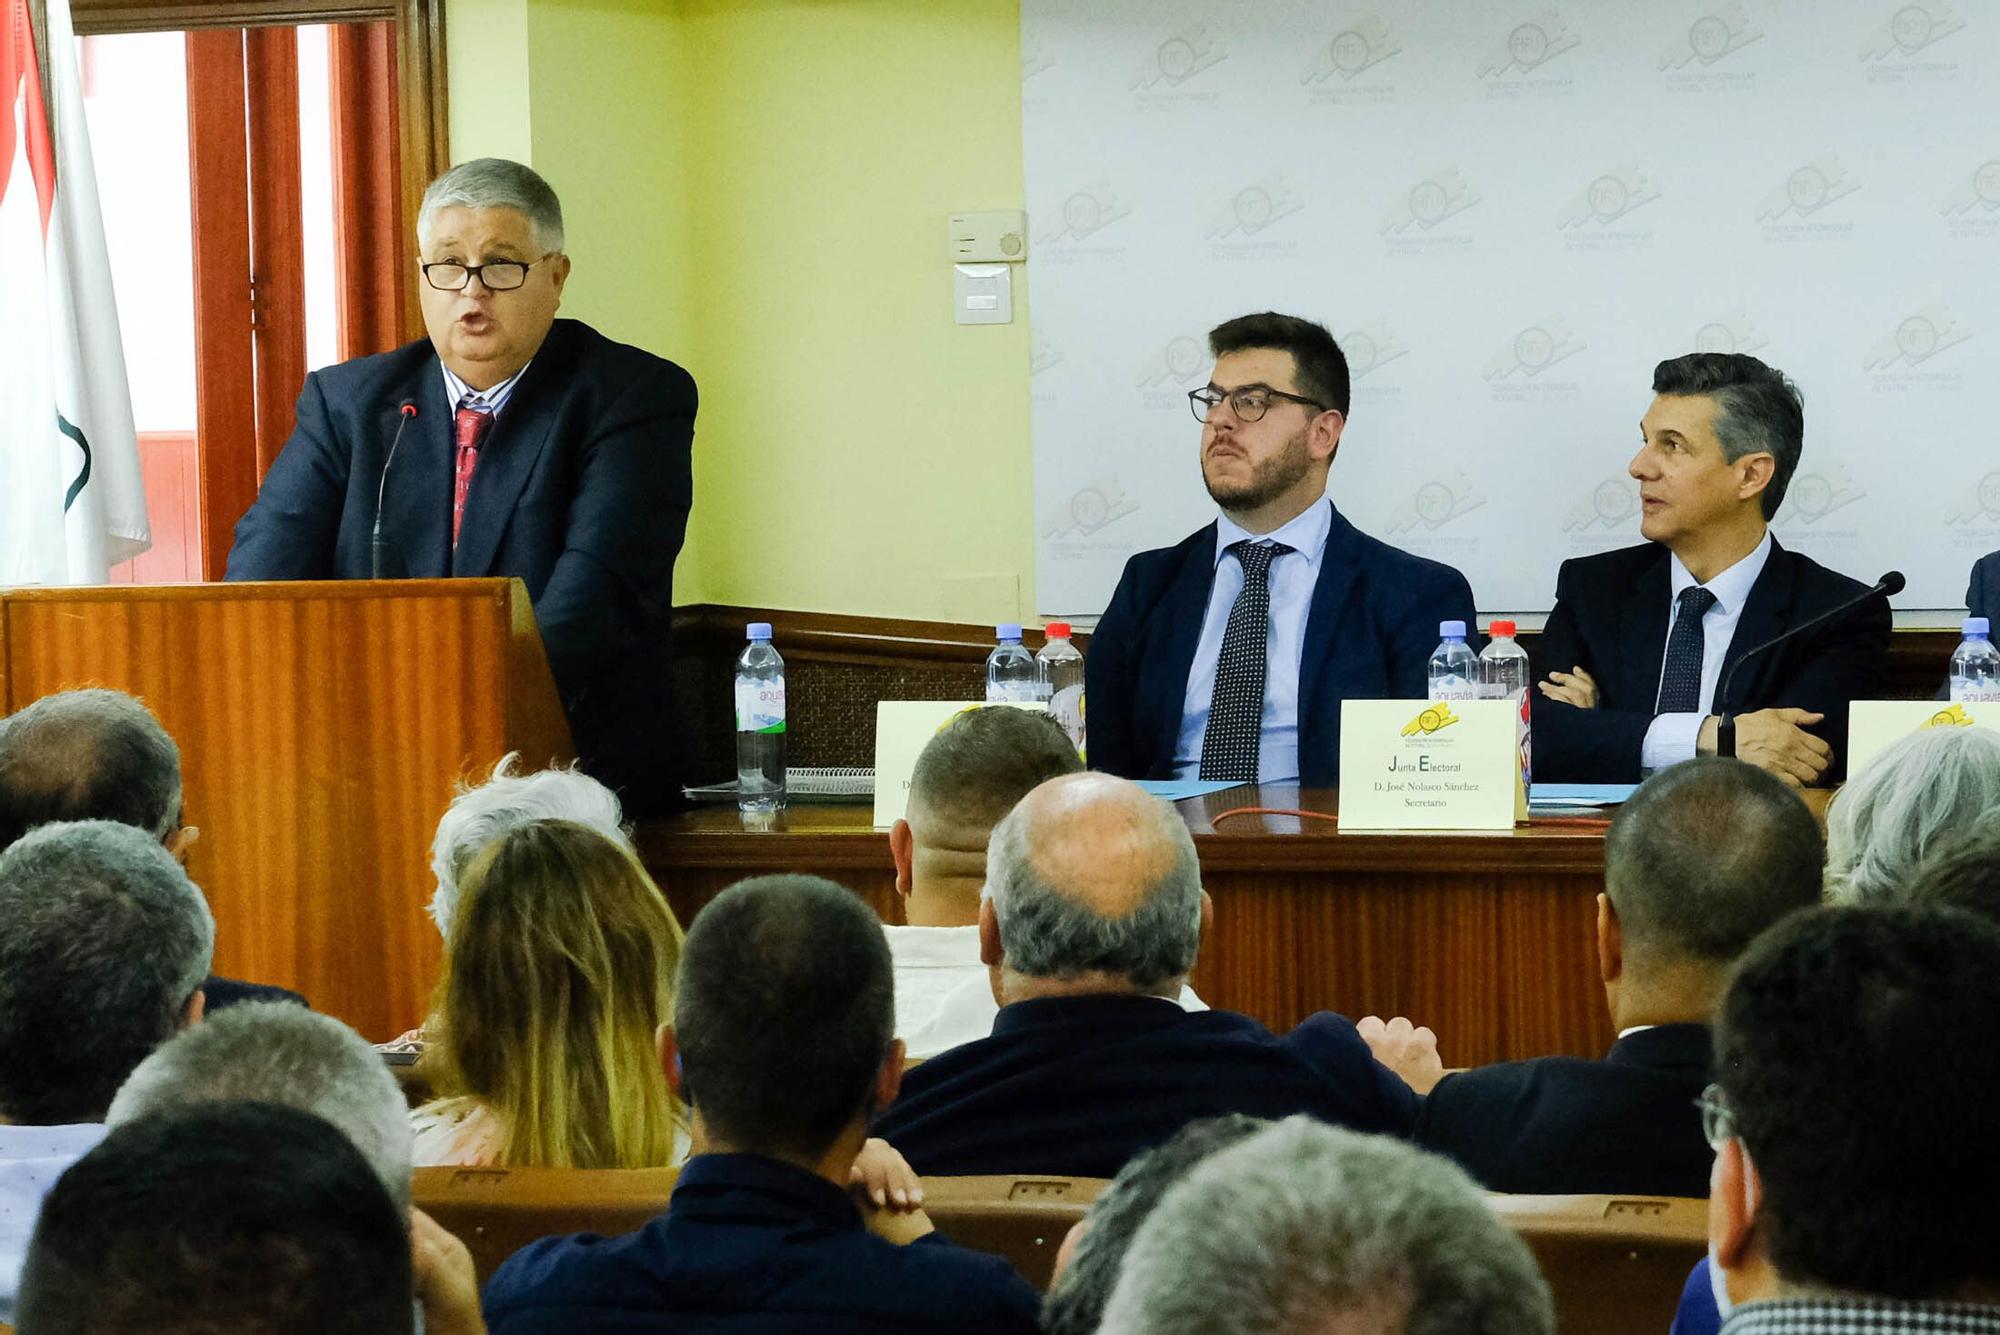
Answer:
(1718, 1123)
(496, 276)
(1249, 403)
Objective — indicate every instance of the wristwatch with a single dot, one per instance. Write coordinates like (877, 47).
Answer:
(1725, 734)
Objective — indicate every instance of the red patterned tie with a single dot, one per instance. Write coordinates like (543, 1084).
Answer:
(469, 426)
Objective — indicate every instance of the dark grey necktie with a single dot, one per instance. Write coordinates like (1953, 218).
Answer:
(1680, 678)
(1236, 711)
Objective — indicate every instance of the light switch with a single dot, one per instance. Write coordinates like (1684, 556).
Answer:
(982, 293)
(991, 238)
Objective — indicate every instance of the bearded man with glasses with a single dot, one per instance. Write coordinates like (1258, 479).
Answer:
(1227, 656)
(507, 443)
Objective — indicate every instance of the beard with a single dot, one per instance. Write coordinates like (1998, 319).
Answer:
(1269, 478)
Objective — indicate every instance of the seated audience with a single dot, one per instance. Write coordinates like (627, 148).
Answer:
(1964, 873)
(1920, 790)
(1855, 1111)
(1305, 1229)
(104, 946)
(783, 1047)
(1094, 914)
(248, 1218)
(558, 971)
(966, 778)
(101, 755)
(1706, 855)
(1088, 1263)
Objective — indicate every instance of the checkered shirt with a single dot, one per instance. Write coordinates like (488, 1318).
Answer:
(1843, 1316)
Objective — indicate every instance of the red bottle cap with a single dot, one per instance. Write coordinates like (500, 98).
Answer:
(1057, 628)
(1502, 627)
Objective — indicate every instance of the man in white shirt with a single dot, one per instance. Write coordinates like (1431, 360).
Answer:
(1641, 653)
(102, 957)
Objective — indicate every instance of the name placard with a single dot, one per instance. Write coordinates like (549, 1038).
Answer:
(1430, 765)
(902, 727)
(1874, 724)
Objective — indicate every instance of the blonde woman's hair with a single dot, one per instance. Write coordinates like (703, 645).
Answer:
(559, 970)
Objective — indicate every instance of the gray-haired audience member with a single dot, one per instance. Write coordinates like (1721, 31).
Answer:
(1088, 1264)
(90, 755)
(1919, 791)
(241, 1217)
(1306, 1228)
(1094, 918)
(508, 800)
(268, 1052)
(103, 946)
(1964, 873)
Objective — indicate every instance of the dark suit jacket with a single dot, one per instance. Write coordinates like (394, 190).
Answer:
(1078, 1085)
(1369, 635)
(1982, 591)
(1562, 1126)
(582, 490)
(1610, 619)
(750, 1245)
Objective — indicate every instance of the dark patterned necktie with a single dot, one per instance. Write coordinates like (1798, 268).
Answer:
(469, 426)
(1680, 678)
(1236, 711)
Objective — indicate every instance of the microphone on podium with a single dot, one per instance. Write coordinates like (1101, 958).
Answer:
(1888, 586)
(406, 410)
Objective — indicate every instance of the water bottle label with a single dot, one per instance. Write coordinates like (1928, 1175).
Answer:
(1453, 688)
(1970, 693)
(1067, 707)
(1012, 693)
(760, 706)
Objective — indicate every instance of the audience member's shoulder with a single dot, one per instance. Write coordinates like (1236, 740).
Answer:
(968, 1290)
(573, 1271)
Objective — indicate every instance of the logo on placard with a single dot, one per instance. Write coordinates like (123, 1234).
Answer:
(1981, 190)
(1977, 503)
(1179, 58)
(1429, 202)
(1255, 207)
(1529, 45)
(1734, 332)
(1436, 503)
(1178, 362)
(1367, 44)
(1096, 504)
(1909, 28)
(1610, 504)
(1916, 339)
(1955, 717)
(1434, 718)
(1534, 350)
(1811, 498)
(1724, 30)
(1609, 197)
(1809, 189)
(1370, 348)
(1085, 213)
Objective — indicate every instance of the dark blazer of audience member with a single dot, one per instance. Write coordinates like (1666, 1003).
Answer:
(1719, 446)
(1706, 855)
(1094, 916)
(582, 486)
(782, 1047)
(296, 1232)
(1855, 1113)
(1982, 589)
(1349, 615)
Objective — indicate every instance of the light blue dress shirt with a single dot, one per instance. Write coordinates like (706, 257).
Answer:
(1671, 738)
(456, 391)
(1293, 577)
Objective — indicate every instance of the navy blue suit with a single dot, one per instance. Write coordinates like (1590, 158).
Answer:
(750, 1245)
(1563, 1126)
(1610, 619)
(582, 490)
(1075, 1086)
(1982, 590)
(1369, 635)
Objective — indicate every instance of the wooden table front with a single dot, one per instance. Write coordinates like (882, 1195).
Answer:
(1487, 937)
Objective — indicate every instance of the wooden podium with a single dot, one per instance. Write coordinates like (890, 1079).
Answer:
(322, 727)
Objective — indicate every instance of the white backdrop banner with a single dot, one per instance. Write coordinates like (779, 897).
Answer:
(1508, 213)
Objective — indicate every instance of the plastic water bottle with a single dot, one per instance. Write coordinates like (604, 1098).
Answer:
(760, 723)
(1975, 668)
(1061, 666)
(1011, 674)
(1454, 670)
(1503, 675)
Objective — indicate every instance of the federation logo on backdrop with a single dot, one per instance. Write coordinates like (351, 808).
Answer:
(1813, 498)
(1608, 197)
(1369, 348)
(1910, 27)
(1096, 504)
(1979, 192)
(1977, 504)
(1734, 332)
(1808, 189)
(1429, 202)
(1178, 362)
(1916, 339)
(1529, 45)
(1085, 213)
(1436, 503)
(1178, 59)
(1612, 504)
(1352, 52)
(1034, 59)
(1534, 350)
(1042, 354)
(1722, 31)
(1253, 208)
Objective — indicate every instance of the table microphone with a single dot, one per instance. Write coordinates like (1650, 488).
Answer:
(406, 410)
(1889, 586)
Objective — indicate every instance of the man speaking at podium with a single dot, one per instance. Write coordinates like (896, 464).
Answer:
(508, 443)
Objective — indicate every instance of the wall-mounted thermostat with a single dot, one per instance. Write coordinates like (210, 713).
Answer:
(989, 238)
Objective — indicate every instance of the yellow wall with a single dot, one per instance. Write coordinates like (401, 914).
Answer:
(757, 189)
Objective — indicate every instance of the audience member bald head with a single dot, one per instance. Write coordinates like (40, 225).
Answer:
(89, 755)
(966, 778)
(1092, 887)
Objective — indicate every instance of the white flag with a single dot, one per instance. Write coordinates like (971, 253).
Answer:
(72, 504)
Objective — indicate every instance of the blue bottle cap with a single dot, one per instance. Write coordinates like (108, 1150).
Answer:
(758, 630)
(1978, 626)
(1452, 630)
(1008, 630)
